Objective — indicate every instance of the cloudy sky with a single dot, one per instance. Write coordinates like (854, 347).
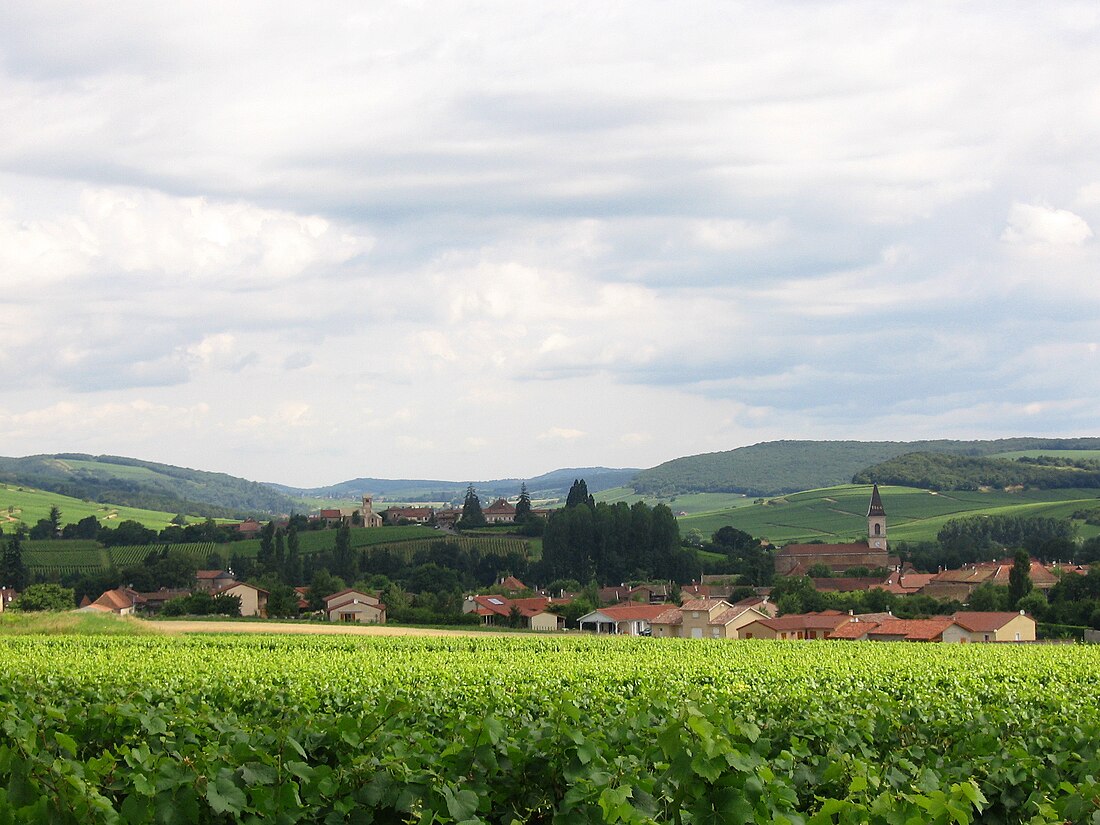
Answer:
(309, 242)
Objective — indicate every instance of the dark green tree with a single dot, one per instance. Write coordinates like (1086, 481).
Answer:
(292, 572)
(578, 494)
(265, 556)
(45, 597)
(282, 601)
(1019, 577)
(343, 561)
(523, 505)
(55, 521)
(471, 511)
(279, 556)
(13, 573)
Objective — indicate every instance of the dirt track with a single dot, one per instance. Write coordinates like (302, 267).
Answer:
(288, 627)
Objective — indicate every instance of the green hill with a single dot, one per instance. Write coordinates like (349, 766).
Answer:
(941, 471)
(777, 467)
(838, 514)
(550, 485)
(23, 506)
(148, 485)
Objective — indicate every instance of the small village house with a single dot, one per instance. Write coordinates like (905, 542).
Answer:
(351, 605)
(622, 619)
(253, 599)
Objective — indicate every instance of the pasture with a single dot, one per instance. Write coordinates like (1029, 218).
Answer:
(25, 506)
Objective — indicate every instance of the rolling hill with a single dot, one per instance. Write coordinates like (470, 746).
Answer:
(838, 514)
(777, 467)
(554, 484)
(149, 485)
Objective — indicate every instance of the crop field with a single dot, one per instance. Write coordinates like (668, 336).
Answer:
(234, 729)
(836, 514)
(25, 506)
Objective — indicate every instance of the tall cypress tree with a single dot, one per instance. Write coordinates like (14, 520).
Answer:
(293, 569)
(1019, 577)
(523, 506)
(265, 557)
(471, 510)
(13, 573)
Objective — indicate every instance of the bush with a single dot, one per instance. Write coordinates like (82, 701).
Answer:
(45, 597)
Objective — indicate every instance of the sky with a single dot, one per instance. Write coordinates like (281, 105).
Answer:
(306, 243)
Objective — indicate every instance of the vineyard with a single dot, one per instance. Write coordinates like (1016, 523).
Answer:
(533, 730)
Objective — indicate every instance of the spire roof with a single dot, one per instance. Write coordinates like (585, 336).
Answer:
(875, 507)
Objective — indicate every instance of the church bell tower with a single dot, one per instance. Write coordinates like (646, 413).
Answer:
(876, 522)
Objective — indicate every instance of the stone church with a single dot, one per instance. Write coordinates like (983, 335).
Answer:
(797, 559)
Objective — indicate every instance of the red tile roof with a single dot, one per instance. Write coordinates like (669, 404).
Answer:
(852, 630)
(627, 612)
(913, 630)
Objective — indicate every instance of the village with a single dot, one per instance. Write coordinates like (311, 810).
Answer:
(712, 607)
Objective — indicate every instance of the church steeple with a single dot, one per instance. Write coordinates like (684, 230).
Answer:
(876, 521)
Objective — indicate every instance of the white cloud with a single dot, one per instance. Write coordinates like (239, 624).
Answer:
(1031, 224)
(561, 434)
(453, 228)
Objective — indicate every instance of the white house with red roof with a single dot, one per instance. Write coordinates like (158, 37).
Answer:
(534, 612)
(499, 512)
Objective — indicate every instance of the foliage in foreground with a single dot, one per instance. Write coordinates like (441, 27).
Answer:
(502, 730)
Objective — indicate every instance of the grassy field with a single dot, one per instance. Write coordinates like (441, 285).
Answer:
(838, 514)
(690, 503)
(24, 506)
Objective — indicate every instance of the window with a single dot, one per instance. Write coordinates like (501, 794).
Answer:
(878, 529)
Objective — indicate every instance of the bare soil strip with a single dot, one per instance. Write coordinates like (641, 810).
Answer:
(287, 627)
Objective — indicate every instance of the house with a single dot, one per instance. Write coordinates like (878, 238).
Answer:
(962, 627)
(971, 626)
(909, 630)
(761, 603)
(153, 602)
(7, 596)
(961, 583)
(121, 601)
(303, 598)
(535, 612)
(209, 581)
(351, 605)
(795, 626)
(499, 512)
(408, 515)
(622, 619)
(250, 528)
(705, 619)
(798, 559)
(510, 585)
(253, 599)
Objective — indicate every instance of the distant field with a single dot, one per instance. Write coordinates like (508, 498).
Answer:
(314, 541)
(22, 505)
(86, 556)
(690, 503)
(1087, 455)
(837, 514)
